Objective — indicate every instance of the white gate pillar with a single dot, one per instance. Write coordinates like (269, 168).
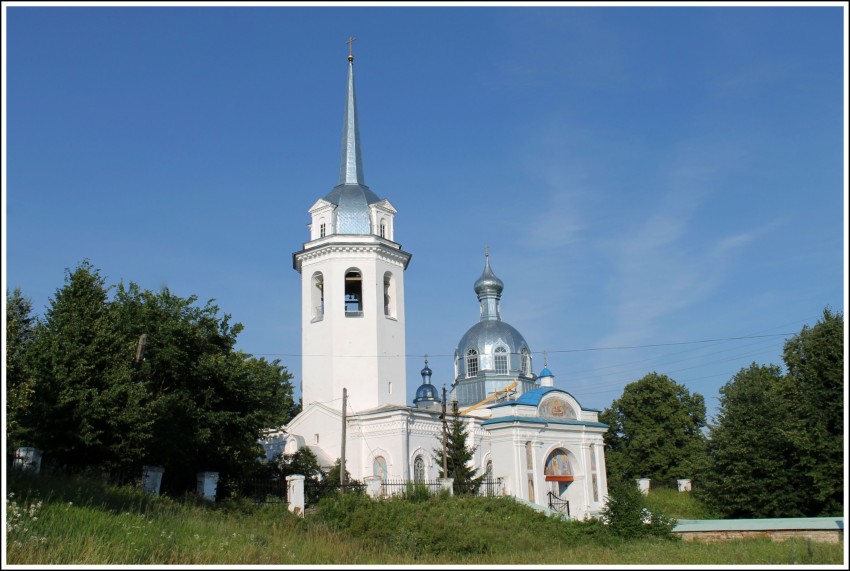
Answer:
(295, 493)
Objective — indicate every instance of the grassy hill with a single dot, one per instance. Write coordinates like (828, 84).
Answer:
(74, 521)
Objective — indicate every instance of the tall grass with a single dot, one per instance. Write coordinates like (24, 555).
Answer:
(680, 505)
(55, 520)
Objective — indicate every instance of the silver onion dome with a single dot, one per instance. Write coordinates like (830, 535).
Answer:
(488, 283)
(484, 337)
(491, 355)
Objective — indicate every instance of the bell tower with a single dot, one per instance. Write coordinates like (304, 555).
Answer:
(352, 288)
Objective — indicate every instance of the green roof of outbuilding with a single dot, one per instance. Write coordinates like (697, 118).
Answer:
(760, 524)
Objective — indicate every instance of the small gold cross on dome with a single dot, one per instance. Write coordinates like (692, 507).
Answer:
(350, 41)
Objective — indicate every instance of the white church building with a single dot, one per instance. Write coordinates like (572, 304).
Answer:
(535, 439)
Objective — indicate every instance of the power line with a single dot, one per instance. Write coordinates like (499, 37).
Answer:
(613, 348)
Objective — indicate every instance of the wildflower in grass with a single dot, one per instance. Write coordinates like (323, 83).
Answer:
(19, 518)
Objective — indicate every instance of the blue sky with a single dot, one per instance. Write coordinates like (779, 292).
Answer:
(644, 176)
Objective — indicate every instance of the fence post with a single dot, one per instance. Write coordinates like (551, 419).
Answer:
(373, 486)
(447, 484)
(207, 485)
(28, 459)
(152, 478)
(295, 493)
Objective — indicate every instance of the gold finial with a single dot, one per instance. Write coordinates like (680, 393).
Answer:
(545, 359)
(426, 359)
(486, 251)
(350, 41)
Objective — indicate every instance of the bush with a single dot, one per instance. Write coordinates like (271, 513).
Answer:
(627, 516)
(414, 492)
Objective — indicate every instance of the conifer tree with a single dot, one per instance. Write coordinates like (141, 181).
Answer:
(458, 456)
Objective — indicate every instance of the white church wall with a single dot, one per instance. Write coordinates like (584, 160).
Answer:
(364, 353)
(319, 426)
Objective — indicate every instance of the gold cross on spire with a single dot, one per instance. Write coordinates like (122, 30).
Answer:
(350, 41)
(486, 251)
(545, 358)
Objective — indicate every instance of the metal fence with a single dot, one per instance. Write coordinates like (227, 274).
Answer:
(261, 490)
(489, 488)
(558, 504)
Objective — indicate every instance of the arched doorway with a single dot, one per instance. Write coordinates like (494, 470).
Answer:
(559, 475)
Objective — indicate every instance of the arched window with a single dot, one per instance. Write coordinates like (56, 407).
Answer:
(353, 293)
(379, 468)
(322, 230)
(501, 360)
(383, 229)
(471, 363)
(558, 467)
(317, 296)
(389, 295)
(524, 360)
(419, 469)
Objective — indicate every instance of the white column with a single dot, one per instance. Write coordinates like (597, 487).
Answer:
(373, 486)
(207, 485)
(28, 459)
(295, 494)
(447, 484)
(152, 478)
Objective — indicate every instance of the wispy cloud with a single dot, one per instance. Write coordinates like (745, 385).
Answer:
(670, 261)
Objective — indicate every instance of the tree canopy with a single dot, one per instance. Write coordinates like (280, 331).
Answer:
(20, 330)
(777, 444)
(655, 431)
(752, 460)
(147, 377)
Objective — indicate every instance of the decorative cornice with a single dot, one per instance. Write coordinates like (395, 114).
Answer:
(387, 251)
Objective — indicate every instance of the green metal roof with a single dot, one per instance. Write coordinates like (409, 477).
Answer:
(762, 524)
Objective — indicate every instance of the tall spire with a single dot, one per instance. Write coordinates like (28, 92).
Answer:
(351, 163)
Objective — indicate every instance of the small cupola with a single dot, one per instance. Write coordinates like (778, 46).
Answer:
(426, 394)
(489, 288)
(546, 378)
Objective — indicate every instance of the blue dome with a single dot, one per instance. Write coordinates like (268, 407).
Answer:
(426, 392)
(546, 373)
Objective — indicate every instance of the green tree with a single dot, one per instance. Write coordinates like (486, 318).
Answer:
(753, 469)
(209, 402)
(655, 431)
(148, 378)
(814, 387)
(458, 456)
(776, 448)
(85, 409)
(20, 331)
(627, 515)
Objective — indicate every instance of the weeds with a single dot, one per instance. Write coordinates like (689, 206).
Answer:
(69, 521)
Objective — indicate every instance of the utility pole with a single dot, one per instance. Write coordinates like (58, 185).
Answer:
(445, 464)
(342, 451)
